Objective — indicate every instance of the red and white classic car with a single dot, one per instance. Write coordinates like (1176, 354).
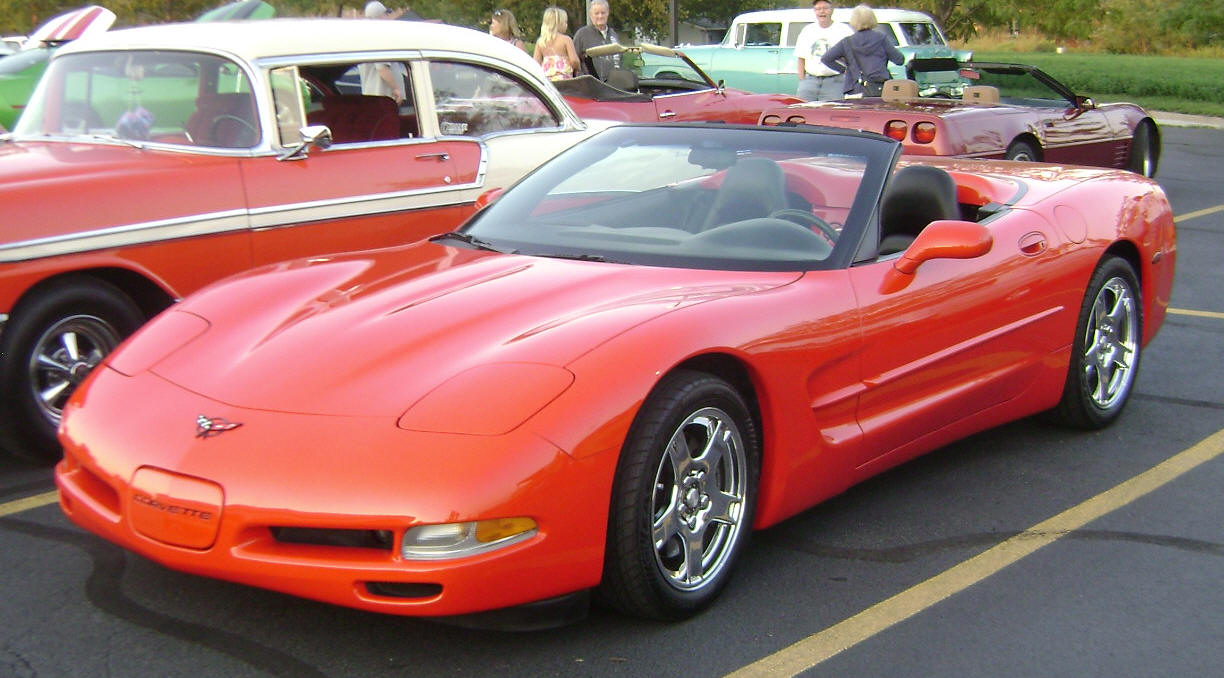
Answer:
(153, 161)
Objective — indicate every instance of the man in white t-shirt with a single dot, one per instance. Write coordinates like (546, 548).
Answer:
(818, 82)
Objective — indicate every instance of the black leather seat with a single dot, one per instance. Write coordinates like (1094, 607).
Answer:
(752, 188)
(622, 79)
(915, 196)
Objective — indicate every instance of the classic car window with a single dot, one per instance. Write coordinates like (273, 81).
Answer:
(289, 96)
(763, 35)
(887, 31)
(920, 33)
(333, 95)
(792, 32)
(145, 95)
(474, 100)
(674, 196)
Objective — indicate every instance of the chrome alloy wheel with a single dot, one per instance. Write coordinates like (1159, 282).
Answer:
(63, 356)
(1111, 342)
(698, 504)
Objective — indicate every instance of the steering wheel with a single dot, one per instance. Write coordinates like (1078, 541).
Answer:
(806, 218)
(249, 133)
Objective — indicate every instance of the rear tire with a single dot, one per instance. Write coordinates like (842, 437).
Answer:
(50, 345)
(1144, 151)
(682, 501)
(1105, 354)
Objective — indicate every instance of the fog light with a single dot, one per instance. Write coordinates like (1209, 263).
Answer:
(458, 540)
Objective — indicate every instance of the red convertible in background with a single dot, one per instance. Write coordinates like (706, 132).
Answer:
(1009, 111)
(664, 338)
(627, 97)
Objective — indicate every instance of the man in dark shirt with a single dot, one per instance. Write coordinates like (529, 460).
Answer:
(596, 32)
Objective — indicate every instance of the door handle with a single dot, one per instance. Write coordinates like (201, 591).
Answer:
(441, 156)
(1032, 244)
(667, 114)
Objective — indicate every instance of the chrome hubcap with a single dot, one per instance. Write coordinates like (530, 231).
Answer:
(1111, 345)
(698, 503)
(63, 356)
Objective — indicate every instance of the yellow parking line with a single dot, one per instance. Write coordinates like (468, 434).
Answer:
(1197, 314)
(816, 648)
(1199, 213)
(19, 505)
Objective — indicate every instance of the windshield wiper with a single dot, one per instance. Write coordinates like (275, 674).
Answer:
(470, 240)
(581, 256)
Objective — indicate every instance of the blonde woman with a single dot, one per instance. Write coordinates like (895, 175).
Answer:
(503, 25)
(554, 49)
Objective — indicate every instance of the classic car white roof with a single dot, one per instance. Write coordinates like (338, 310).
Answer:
(265, 38)
(883, 15)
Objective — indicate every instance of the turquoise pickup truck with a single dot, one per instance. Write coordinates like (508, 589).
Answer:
(757, 53)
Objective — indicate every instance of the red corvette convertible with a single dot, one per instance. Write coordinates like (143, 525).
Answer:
(625, 96)
(606, 379)
(1008, 111)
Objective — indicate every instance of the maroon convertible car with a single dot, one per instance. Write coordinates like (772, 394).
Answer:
(995, 110)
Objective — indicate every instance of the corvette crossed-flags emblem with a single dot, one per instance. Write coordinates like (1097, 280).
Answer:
(207, 427)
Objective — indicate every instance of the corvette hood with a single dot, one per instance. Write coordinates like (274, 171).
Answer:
(369, 335)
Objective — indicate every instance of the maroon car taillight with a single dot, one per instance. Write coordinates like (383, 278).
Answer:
(924, 132)
(896, 129)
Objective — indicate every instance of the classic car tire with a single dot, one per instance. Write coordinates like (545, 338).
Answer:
(70, 326)
(679, 487)
(1144, 151)
(1105, 354)
(1023, 151)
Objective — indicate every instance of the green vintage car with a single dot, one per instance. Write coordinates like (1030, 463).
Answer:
(20, 71)
(757, 52)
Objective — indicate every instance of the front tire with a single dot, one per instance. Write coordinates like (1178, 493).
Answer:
(682, 501)
(1105, 355)
(51, 344)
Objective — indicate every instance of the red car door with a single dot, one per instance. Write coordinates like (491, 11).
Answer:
(1078, 136)
(360, 197)
(963, 336)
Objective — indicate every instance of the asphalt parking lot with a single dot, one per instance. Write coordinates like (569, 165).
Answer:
(1026, 550)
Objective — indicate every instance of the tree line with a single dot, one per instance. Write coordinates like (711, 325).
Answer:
(1123, 26)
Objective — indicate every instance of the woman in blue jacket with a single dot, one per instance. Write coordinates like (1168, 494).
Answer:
(863, 56)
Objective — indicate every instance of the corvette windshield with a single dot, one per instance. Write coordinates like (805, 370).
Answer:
(696, 196)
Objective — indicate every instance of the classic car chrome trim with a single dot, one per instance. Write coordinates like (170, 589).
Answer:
(128, 234)
(284, 216)
(262, 218)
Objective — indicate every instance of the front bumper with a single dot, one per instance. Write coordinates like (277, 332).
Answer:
(317, 506)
